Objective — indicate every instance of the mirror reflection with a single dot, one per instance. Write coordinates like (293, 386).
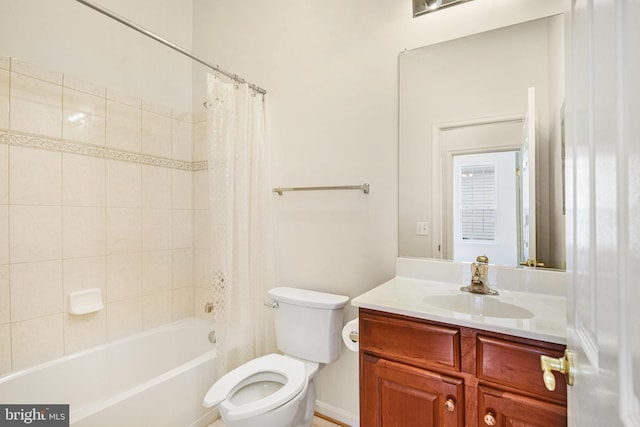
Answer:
(481, 147)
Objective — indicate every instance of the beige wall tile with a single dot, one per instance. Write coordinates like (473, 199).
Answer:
(4, 174)
(200, 149)
(182, 144)
(156, 187)
(37, 340)
(157, 309)
(80, 274)
(201, 189)
(124, 318)
(36, 106)
(156, 134)
(201, 297)
(156, 272)
(182, 228)
(34, 70)
(124, 98)
(4, 234)
(124, 230)
(4, 99)
(83, 117)
(83, 180)
(5, 295)
(76, 222)
(36, 290)
(5, 63)
(124, 126)
(201, 267)
(182, 189)
(182, 268)
(83, 232)
(156, 229)
(85, 331)
(124, 184)
(182, 303)
(35, 233)
(5, 349)
(82, 85)
(156, 109)
(36, 176)
(201, 229)
(124, 277)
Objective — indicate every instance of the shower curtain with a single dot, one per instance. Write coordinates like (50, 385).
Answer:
(241, 237)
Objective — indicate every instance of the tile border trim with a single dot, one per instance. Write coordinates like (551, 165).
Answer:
(21, 139)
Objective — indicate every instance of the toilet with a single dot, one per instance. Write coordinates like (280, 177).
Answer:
(278, 390)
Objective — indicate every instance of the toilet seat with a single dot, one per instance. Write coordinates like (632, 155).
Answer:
(291, 369)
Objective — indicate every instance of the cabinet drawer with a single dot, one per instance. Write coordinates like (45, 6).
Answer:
(502, 408)
(517, 365)
(419, 343)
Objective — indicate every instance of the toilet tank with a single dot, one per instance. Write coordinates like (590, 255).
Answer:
(308, 324)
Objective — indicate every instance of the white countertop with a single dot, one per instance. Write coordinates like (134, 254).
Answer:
(544, 315)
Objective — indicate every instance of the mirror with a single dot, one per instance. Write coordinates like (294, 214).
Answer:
(473, 96)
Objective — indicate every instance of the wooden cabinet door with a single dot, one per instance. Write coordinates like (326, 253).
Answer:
(398, 395)
(502, 408)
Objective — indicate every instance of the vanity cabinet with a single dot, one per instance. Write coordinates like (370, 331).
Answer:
(416, 372)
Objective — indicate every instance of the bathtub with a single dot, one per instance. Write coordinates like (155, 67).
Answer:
(155, 378)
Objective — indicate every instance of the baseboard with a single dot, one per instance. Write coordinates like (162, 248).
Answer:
(338, 414)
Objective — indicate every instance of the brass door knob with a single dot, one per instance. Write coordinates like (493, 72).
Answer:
(450, 405)
(564, 365)
(532, 263)
(489, 419)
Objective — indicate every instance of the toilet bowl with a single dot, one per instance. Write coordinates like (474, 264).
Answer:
(279, 390)
(267, 391)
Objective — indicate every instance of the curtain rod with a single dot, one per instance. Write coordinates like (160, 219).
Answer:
(167, 43)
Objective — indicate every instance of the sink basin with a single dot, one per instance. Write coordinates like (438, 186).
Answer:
(479, 305)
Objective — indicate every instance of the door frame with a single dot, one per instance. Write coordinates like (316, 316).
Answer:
(442, 160)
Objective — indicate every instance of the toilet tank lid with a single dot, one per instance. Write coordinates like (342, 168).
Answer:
(307, 298)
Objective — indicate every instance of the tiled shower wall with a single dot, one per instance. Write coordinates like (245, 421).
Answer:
(96, 191)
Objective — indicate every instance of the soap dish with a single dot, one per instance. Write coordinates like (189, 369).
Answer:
(84, 302)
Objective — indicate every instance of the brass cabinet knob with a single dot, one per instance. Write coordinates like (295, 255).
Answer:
(450, 405)
(489, 419)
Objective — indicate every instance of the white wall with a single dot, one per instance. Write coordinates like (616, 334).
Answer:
(331, 72)
(68, 37)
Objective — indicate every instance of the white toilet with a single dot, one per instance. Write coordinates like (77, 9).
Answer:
(279, 390)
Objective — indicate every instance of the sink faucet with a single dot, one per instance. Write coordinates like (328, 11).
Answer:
(480, 278)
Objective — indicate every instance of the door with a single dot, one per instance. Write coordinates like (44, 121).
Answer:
(603, 219)
(485, 210)
(527, 217)
(398, 395)
(482, 135)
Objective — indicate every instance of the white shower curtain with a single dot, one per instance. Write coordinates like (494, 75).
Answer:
(241, 235)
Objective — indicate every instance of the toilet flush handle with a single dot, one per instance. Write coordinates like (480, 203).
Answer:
(271, 304)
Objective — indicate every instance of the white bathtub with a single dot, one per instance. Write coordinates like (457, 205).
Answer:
(155, 378)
